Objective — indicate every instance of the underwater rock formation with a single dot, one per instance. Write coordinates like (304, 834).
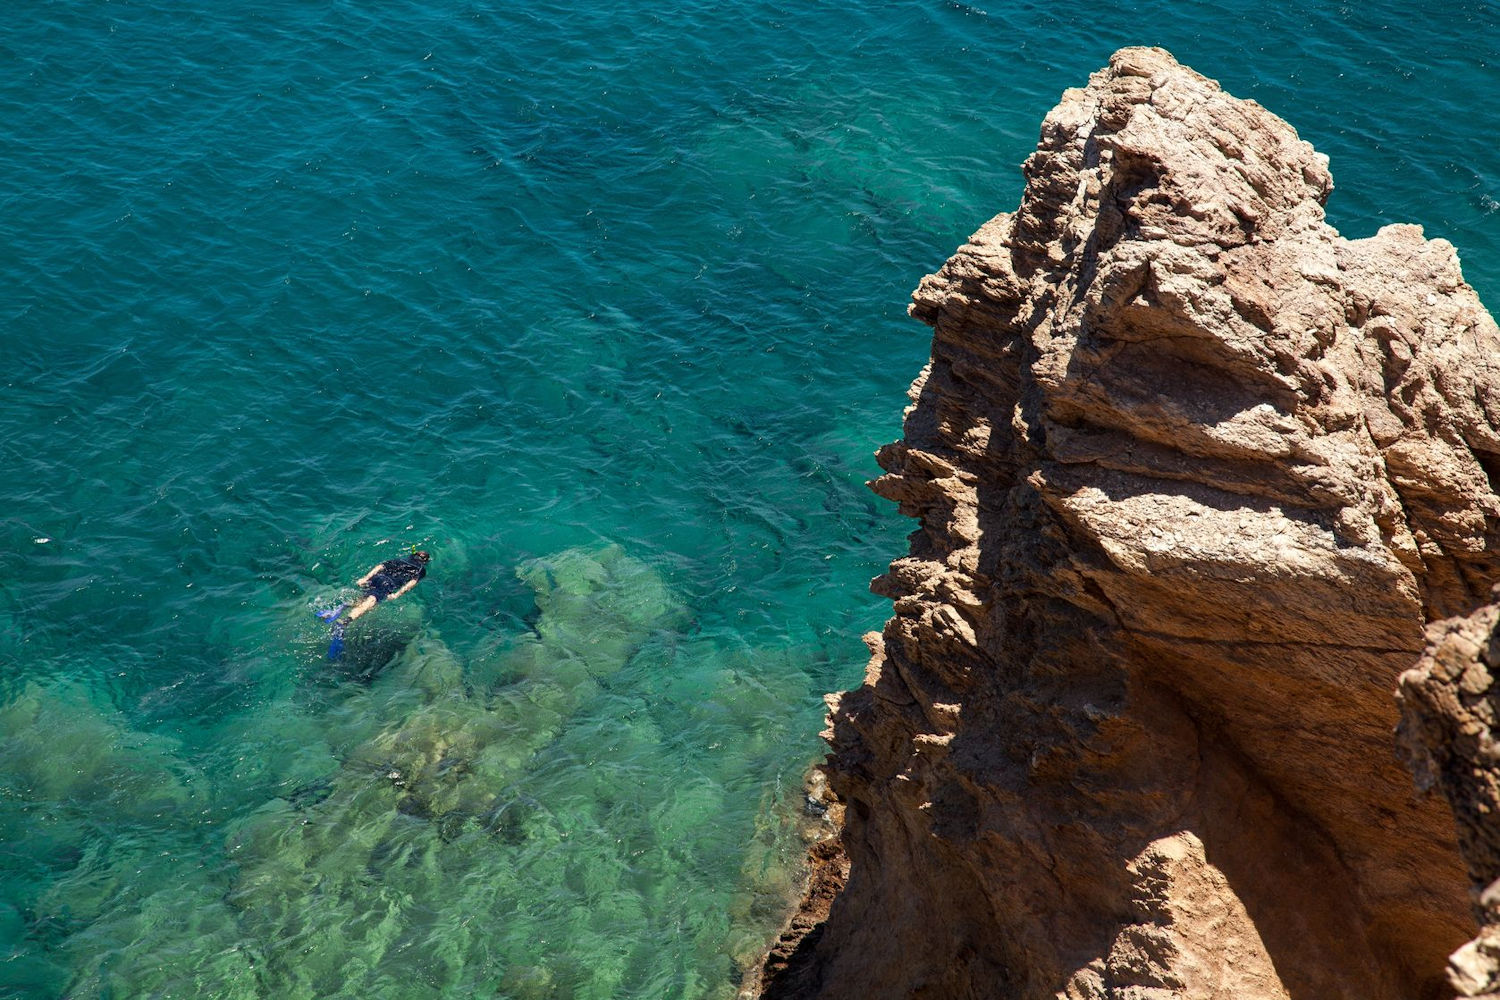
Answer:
(430, 816)
(1193, 473)
(411, 811)
(443, 779)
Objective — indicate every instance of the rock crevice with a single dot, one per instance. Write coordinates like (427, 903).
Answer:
(1450, 707)
(1192, 474)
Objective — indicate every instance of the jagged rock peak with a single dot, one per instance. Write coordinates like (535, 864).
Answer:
(1193, 472)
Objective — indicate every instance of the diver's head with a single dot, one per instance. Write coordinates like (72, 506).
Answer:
(421, 557)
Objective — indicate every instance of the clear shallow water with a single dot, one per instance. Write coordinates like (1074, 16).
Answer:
(603, 306)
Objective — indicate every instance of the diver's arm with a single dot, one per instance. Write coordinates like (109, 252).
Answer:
(404, 588)
(368, 576)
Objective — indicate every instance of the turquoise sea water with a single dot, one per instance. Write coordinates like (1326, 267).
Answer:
(603, 305)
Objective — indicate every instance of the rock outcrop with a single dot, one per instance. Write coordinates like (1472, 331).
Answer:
(1450, 706)
(1193, 474)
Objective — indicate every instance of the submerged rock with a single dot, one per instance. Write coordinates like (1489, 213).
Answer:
(434, 772)
(67, 761)
(1193, 472)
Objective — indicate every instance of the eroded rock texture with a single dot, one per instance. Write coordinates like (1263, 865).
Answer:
(1450, 705)
(1193, 473)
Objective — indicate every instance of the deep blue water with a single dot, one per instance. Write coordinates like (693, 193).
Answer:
(604, 305)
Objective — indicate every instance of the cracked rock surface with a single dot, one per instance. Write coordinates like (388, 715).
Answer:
(1450, 710)
(1192, 473)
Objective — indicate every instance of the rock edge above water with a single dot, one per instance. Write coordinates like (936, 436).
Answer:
(1193, 474)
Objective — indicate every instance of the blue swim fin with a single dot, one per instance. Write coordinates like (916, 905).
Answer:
(336, 645)
(332, 614)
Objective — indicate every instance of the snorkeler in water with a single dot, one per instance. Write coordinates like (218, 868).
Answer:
(385, 582)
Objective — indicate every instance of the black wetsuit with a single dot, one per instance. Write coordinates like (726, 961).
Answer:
(394, 574)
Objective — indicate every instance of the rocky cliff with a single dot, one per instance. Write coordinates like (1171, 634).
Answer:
(1450, 709)
(1192, 473)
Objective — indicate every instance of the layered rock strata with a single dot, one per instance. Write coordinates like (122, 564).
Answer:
(1193, 473)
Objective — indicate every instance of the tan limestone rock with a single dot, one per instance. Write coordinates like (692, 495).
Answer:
(1191, 936)
(1192, 474)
